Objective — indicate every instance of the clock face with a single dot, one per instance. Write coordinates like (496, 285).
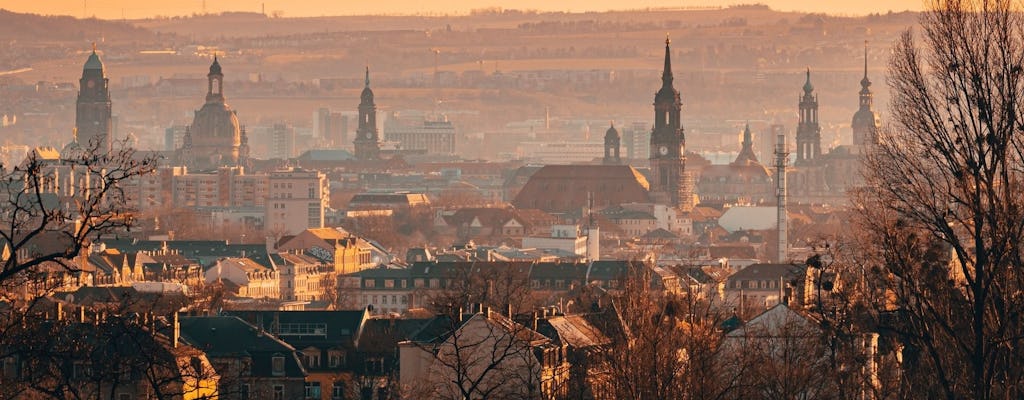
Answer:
(368, 135)
(90, 83)
(663, 150)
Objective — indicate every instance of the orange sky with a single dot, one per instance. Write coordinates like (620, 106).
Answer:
(148, 8)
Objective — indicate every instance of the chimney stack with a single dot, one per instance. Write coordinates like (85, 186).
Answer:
(177, 330)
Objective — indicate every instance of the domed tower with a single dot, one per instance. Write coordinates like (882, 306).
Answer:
(668, 143)
(93, 110)
(808, 131)
(611, 146)
(367, 142)
(214, 131)
(865, 122)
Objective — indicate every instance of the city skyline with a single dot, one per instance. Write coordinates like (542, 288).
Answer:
(117, 9)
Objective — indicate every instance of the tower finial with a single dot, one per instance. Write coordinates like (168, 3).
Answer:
(865, 59)
(807, 84)
(367, 75)
(668, 41)
(93, 47)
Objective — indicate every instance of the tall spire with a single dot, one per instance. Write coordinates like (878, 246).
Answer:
(367, 81)
(666, 74)
(865, 82)
(746, 155)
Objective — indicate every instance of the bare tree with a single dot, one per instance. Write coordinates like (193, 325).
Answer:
(943, 211)
(37, 210)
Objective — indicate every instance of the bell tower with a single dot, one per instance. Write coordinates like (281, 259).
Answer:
(93, 110)
(668, 143)
(367, 142)
(611, 146)
(808, 131)
(865, 122)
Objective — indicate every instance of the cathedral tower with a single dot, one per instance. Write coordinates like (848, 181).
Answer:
(611, 146)
(668, 151)
(214, 133)
(808, 131)
(865, 122)
(367, 142)
(93, 111)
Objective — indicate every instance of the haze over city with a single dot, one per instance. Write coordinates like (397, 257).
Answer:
(116, 9)
(563, 200)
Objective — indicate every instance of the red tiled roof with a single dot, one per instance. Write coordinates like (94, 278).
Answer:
(559, 188)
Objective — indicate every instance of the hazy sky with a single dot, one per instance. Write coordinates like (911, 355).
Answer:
(148, 8)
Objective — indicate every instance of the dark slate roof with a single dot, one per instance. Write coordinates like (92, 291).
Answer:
(204, 252)
(555, 270)
(341, 328)
(760, 272)
(228, 336)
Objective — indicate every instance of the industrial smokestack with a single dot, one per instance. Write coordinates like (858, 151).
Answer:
(781, 159)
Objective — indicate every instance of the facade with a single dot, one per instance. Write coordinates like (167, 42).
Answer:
(341, 250)
(668, 144)
(296, 200)
(303, 277)
(93, 120)
(367, 141)
(759, 286)
(252, 279)
(214, 138)
(430, 137)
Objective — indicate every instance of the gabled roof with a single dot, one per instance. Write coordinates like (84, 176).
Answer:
(573, 330)
(778, 321)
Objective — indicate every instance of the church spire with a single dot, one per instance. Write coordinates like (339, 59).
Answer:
(666, 74)
(367, 81)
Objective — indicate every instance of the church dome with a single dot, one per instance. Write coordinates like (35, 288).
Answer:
(216, 122)
(865, 118)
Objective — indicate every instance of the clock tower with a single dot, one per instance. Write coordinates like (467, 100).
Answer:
(93, 111)
(367, 142)
(668, 144)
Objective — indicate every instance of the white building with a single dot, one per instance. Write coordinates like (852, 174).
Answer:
(296, 200)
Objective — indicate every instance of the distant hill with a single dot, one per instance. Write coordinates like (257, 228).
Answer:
(42, 28)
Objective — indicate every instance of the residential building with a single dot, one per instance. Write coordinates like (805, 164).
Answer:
(252, 363)
(296, 200)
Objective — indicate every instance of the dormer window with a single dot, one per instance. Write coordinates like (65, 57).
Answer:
(277, 365)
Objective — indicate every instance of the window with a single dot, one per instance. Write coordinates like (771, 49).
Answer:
(338, 390)
(389, 283)
(312, 390)
(418, 282)
(405, 299)
(277, 365)
(369, 283)
(394, 299)
(278, 392)
(337, 359)
(243, 392)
